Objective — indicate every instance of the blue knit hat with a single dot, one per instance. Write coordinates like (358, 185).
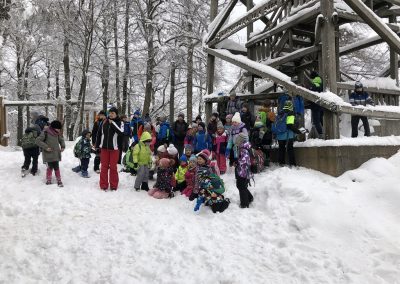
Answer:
(137, 112)
(193, 158)
(183, 159)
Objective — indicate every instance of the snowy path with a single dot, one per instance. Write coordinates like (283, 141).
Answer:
(304, 227)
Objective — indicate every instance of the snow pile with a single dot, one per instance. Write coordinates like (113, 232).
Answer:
(303, 227)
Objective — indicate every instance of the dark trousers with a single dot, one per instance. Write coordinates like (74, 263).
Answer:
(317, 117)
(286, 145)
(245, 196)
(179, 146)
(96, 166)
(354, 125)
(180, 186)
(31, 154)
(85, 164)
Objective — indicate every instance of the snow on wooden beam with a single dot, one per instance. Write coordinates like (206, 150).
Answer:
(375, 23)
(298, 54)
(385, 86)
(251, 16)
(360, 45)
(220, 20)
(327, 100)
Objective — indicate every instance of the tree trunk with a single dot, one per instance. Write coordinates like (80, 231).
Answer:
(189, 80)
(26, 95)
(126, 48)
(105, 76)
(117, 94)
(20, 94)
(67, 85)
(48, 84)
(149, 71)
(172, 94)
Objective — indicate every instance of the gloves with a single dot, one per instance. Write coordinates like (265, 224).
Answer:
(303, 130)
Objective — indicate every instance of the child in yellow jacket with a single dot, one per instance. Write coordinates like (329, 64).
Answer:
(180, 174)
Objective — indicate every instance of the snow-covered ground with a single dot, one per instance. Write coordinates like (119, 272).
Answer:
(304, 227)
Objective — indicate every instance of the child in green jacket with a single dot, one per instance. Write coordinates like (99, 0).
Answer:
(180, 174)
(142, 161)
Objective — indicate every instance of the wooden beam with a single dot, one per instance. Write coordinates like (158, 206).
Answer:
(360, 45)
(254, 15)
(225, 14)
(280, 78)
(265, 20)
(296, 55)
(3, 123)
(380, 90)
(374, 22)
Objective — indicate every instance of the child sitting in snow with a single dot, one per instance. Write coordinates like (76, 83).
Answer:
(127, 161)
(142, 161)
(82, 151)
(190, 176)
(163, 186)
(203, 169)
(242, 169)
(180, 174)
(52, 144)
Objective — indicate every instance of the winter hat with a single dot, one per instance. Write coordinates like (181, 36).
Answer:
(202, 125)
(220, 125)
(172, 150)
(102, 112)
(236, 118)
(137, 112)
(215, 114)
(84, 132)
(55, 124)
(358, 85)
(161, 149)
(189, 147)
(145, 137)
(164, 162)
(313, 74)
(205, 155)
(193, 158)
(229, 116)
(241, 138)
(194, 125)
(232, 94)
(183, 159)
(113, 109)
(181, 115)
(147, 126)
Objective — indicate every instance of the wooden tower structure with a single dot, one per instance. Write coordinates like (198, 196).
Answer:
(303, 35)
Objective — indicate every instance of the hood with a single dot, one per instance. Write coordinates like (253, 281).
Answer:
(145, 136)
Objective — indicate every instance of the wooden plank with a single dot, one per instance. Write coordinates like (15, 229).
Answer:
(245, 20)
(379, 27)
(276, 76)
(360, 45)
(225, 16)
(265, 20)
(298, 54)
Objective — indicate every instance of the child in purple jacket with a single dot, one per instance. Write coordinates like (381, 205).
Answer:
(242, 169)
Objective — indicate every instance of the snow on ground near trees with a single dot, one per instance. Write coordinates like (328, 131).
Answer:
(304, 227)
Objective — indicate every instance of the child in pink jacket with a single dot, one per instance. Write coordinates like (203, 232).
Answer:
(165, 180)
(219, 147)
(190, 176)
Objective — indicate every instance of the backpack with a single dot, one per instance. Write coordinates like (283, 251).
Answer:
(298, 105)
(256, 161)
(279, 126)
(78, 148)
(28, 140)
(217, 183)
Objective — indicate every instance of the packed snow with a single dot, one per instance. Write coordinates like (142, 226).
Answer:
(303, 227)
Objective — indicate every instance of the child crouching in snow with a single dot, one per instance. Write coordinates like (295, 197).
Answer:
(165, 179)
(242, 169)
(190, 176)
(52, 144)
(82, 151)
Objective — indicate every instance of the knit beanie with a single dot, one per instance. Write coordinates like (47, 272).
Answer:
(220, 125)
(193, 158)
(205, 155)
(241, 138)
(236, 118)
(55, 124)
(161, 149)
(229, 116)
(113, 109)
(147, 126)
(194, 125)
(172, 150)
(188, 147)
(183, 159)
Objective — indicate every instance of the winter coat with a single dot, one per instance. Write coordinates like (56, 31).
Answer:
(153, 136)
(107, 135)
(316, 84)
(291, 129)
(202, 141)
(165, 134)
(267, 117)
(220, 143)
(190, 176)
(180, 174)
(49, 138)
(97, 124)
(142, 152)
(248, 119)
(86, 146)
(201, 173)
(164, 179)
(243, 162)
(180, 129)
(135, 123)
(189, 139)
(360, 99)
(228, 129)
(235, 130)
(129, 159)
(233, 106)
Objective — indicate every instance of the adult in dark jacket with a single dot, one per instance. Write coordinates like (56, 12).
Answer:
(101, 116)
(180, 128)
(360, 98)
(212, 125)
(107, 142)
(246, 117)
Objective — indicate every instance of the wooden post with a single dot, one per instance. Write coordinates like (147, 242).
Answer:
(210, 58)
(208, 111)
(3, 123)
(394, 58)
(251, 52)
(329, 54)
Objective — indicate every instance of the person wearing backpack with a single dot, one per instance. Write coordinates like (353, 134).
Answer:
(82, 151)
(237, 127)
(285, 130)
(243, 174)
(165, 134)
(31, 151)
(234, 104)
(127, 161)
(52, 143)
(135, 124)
(142, 162)
(106, 141)
(246, 117)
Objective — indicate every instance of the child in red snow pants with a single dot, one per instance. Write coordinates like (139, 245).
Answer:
(109, 160)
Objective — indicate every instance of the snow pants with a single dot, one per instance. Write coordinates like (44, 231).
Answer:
(109, 160)
(355, 119)
(245, 196)
(156, 193)
(31, 154)
(221, 162)
(142, 175)
(53, 166)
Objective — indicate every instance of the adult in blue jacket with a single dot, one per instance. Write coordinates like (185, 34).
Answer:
(360, 98)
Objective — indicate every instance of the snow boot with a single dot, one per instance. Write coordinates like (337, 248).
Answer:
(58, 176)
(145, 186)
(49, 172)
(77, 169)
(85, 174)
(24, 172)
